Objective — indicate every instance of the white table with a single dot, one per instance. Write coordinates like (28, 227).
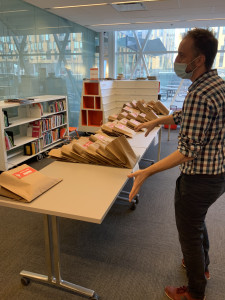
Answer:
(85, 204)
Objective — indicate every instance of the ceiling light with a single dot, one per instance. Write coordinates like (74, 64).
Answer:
(215, 19)
(129, 6)
(81, 5)
(99, 4)
(157, 22)
(12, 11)
(110, 24)
(127, 2)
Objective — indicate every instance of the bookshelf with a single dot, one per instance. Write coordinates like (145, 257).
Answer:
(102, 98)
(31, 129)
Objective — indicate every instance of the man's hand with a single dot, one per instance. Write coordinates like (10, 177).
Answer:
(148, 125)
(139, 177)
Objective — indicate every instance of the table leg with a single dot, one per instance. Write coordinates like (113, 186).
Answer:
(169, 132)
(52, 246)
(159, 143)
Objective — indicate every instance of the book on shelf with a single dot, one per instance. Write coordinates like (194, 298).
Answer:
(63, 132)
(51, 108)
(9, 140)
(34, 129)
(36, 110)
(32, 148)
(6, 119)
(57, 106)
(27, 149)
(19, 100)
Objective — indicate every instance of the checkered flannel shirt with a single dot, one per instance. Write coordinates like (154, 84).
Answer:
(202, 126)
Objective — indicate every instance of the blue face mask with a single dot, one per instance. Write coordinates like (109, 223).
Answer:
(180, 70)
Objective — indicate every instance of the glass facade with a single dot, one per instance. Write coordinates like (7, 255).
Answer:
(41, 53)
(143, 53)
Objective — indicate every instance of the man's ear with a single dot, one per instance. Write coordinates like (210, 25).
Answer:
(201, 60)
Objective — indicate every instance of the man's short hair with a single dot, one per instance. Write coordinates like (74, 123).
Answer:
(204, 43)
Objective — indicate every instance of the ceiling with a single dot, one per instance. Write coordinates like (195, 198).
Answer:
(157, 14)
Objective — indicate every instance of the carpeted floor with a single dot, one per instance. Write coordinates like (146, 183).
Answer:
(132, 255)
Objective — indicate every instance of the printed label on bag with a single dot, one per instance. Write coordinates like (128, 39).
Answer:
(87, 144)
(25, 172)
(121, 126)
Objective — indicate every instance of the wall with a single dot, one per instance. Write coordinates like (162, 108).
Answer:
(41, 53)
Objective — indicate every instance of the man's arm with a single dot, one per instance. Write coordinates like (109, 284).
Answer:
(152, 124)
(174, 159)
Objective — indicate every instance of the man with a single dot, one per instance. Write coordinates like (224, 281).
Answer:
(200, 154)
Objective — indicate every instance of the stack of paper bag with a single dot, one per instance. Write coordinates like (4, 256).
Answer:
(99, 149)
(133, 123)
(25, 183)
(160, 108)
(124, 130)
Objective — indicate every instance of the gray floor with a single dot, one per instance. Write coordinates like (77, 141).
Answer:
(132, 255)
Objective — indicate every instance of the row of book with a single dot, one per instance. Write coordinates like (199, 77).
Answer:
(48, 138)
(33, 147)
(36, 128)
(57, 106)
(52, 122)
(52, 136)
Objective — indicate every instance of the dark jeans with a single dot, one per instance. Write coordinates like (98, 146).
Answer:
(194, 194)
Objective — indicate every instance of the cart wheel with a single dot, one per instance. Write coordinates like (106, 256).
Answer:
(136, 199)
(133, 206)
(94, 297)
(45, 154)
(39, 157)
(25, 281)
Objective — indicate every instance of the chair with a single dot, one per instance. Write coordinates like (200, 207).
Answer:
(73, 129)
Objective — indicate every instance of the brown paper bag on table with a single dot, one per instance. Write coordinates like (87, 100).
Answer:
(123, 121)
(158, 105)
(141, 118)
(132, 115)
(57, 154)
(80, 147)
(134, 103)
(128, 109)
(25, 183)
(151, 116)
(98, 153)
(72, 156)
(108, 128)
(112, 117)
(107, 156)
(101, 136)
(123, 129)
(133, 123)
(122, 150)
(122, 115)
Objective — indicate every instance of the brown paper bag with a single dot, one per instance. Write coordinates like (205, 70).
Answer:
(122, 150)
(161, 108)
(134, 123)
(141, 118)
(67, 151)
(123, 129)
(25, 183)
(122, 115)
(112, 118)
(101, 136)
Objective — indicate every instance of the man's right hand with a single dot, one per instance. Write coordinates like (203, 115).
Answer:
(148, 125)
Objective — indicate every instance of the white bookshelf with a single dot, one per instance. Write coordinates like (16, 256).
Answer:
(19, 116)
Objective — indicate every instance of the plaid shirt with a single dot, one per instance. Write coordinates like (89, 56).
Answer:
(202, 126)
